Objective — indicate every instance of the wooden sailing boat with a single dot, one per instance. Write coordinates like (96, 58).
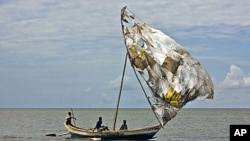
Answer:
(134, 134)
(172, 75)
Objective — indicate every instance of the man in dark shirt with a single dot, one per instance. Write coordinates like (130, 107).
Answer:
(68, 119)
(124, 126)
(99, 125)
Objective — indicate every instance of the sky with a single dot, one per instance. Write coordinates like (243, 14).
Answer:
(70, 54)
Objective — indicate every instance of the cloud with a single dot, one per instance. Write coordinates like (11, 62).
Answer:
(232, 92)
(87, 89)
(70, 44)
(239, 60)
(219, 31)
(235, 79)
(108, 99)
(116, 83)
(49, 28)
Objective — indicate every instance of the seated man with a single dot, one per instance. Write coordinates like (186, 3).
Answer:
(124, 126)
(99, 125)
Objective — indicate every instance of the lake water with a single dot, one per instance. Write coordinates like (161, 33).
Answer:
(188, 125)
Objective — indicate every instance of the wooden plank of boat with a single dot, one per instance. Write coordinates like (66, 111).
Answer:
(142, 133)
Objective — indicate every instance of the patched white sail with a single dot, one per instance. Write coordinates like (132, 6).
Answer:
(173, 75)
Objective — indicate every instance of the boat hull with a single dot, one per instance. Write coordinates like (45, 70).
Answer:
(135, 134)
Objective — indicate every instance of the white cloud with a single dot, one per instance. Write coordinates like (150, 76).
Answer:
(232, 92)
(107, 98)
(87, 89)
(48, 27)
(69, 40)
(116, 83)
(236, 78)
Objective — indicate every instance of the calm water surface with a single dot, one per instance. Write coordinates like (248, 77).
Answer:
(188, 125)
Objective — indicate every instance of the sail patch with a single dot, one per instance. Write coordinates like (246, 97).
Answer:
(137, 58)
(172, 97)
(171, 64)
